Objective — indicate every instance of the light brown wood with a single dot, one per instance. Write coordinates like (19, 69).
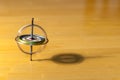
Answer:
(90, 28)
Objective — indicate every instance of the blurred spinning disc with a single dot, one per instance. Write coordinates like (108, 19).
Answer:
(26, 39)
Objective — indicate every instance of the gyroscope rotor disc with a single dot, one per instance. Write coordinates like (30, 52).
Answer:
(26, 39)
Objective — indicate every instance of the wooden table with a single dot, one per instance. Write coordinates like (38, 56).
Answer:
(89, 29)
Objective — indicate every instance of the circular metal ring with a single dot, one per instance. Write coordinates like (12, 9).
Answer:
(29, 25)
(25, 39)
(39, 50)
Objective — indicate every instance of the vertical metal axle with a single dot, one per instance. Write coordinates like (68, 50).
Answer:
(32, 28)
(31, 47)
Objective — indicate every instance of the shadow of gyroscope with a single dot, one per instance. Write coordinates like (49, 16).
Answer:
(70, 58)
(65, 58)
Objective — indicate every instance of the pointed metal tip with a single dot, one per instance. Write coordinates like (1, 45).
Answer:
(32, 19)
(31, 58)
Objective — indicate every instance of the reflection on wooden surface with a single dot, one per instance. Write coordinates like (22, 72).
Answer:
(90, 28)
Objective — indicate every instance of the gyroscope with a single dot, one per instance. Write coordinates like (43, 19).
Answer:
(31, 39)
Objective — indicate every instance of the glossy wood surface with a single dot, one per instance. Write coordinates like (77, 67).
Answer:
(89, 29)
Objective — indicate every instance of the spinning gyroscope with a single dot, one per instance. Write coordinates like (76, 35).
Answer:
(31, 39)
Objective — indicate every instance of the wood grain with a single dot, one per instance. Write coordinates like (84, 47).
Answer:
(90, 28)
